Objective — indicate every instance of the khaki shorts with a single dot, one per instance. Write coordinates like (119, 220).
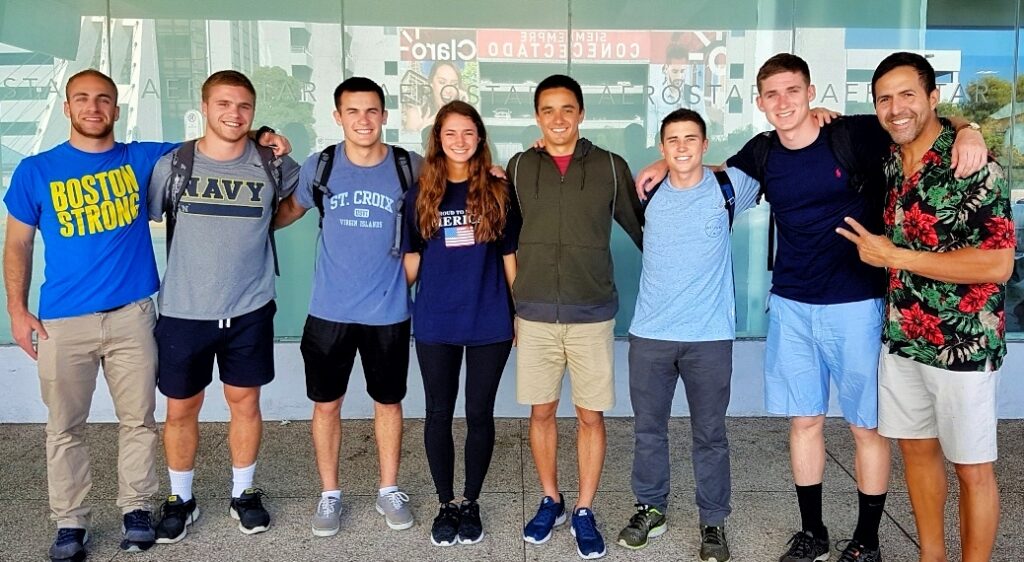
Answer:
(545, 349)
(917, 401)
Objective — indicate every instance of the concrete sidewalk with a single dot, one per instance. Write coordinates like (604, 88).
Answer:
(764, 505)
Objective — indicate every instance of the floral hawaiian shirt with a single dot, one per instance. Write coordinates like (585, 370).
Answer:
(957, 327)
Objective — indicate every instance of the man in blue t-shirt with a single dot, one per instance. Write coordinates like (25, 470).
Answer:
(360, 299)
(825, 306)
(85, 197)
(684, 325)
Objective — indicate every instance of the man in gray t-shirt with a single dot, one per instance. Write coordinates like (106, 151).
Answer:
(217, 296)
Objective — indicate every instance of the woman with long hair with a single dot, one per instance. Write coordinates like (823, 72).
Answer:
(460, 241)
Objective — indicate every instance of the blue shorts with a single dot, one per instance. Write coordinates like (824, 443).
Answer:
(243, 348)
(810, 345)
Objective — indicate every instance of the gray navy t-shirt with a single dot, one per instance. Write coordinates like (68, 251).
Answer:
(221, 263)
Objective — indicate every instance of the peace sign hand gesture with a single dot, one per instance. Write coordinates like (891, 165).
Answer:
(874, 249)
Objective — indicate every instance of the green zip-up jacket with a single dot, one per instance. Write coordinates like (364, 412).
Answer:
(565, 270)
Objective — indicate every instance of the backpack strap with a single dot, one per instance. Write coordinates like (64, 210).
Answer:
(841, 143)
(324, 165)
(403, 165)
(272, 166)
(182, 162)
(762, 147)
(728, 193)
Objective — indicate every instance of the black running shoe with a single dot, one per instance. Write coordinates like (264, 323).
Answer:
(857, 552)
(713, 546)
(69, 545)
(471, 529)
(805, 547)
(175, 518)
(248, 510)
(445, 530)
(137, 532)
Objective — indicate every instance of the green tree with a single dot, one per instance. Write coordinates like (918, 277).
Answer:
(985, 97)
(281, 102)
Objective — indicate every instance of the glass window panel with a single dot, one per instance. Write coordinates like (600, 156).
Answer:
(624, 52)
(33, 68)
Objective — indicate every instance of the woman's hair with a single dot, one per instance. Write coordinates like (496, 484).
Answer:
(487, 202)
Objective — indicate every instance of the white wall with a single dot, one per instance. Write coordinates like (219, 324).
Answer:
(285, 398)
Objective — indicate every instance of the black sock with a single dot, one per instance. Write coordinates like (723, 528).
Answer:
(809, 498)
(868, 518)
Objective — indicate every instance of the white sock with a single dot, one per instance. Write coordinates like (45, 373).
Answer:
(387, 490)
(241, 478)
(336, 494)
(181, 483)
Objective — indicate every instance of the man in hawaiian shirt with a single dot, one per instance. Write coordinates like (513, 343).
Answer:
(949, 249)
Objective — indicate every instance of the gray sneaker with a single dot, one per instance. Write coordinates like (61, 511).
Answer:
(395, 509)
(327, 517)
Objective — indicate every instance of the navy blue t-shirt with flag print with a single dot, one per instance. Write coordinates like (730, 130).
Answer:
(462, 297)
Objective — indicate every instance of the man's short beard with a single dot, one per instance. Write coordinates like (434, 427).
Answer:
(106, 131)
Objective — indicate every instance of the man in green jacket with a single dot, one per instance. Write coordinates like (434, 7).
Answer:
(565, 295)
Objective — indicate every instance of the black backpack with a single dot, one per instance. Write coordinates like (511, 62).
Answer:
(403, 164)
(182, 162)
(724, 183)
(839, 141)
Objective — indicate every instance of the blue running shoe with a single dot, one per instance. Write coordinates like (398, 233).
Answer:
(589, 542)
(69, 545)
(549, 515)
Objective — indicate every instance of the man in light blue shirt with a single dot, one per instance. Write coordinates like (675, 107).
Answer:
(684, 325)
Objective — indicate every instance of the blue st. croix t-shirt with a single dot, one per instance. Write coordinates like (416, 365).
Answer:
(90, 210)
(358, 280)
(462, 297)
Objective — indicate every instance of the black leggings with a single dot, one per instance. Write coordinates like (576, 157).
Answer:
(440, 365)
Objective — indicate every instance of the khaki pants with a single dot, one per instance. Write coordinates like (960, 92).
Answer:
(121, 341)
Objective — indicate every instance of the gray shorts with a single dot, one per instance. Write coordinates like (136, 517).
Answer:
(917, 401)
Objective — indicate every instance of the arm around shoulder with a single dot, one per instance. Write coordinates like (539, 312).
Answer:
(628, 211)
(288, 212)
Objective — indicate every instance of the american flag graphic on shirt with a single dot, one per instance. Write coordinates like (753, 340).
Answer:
(458, 236)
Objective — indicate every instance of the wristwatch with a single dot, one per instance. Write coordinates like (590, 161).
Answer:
(972, 126)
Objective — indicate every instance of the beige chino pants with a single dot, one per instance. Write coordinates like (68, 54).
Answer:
(121, 341)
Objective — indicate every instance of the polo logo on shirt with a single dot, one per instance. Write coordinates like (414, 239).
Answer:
(96, 203)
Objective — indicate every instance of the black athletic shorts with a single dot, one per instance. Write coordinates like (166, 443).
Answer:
(243, 347)
(329, 352)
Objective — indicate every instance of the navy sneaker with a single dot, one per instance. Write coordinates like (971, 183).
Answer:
(589, 542)
(805, 547)
(857, 552)
(69, 545)
(248, 510)
(175, 518)
(550, 514)
(137, 531)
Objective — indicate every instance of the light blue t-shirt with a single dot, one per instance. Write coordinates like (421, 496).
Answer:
(686, 285)
(90, 208)
(358, 280)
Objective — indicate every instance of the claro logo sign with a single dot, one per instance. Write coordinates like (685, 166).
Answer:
(420, 44)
